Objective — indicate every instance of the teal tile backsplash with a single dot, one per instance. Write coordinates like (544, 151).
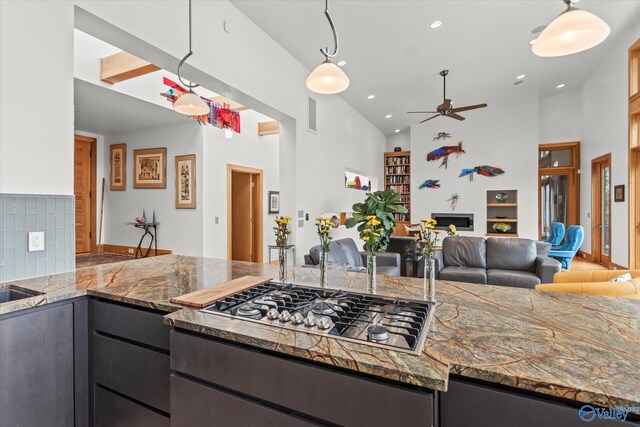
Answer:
(24, 213)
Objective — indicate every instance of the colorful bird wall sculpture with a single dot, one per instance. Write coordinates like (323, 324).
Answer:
(483, 170)
(444, 153)
(441, 135)
(430, 183)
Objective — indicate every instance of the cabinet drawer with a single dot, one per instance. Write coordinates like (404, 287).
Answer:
(319, 392)
(134, 324)
(134, 371)
(196, 404)
(112, 410)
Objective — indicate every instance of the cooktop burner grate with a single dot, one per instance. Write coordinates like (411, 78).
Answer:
(399, 324)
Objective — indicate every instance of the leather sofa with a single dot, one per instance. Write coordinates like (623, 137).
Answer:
(494, 261)
(595, 283)
(344, 253)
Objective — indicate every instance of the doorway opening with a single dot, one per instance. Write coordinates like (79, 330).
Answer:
(634, 155)
(244, 213)
(84, 190)
(601, 210)
(558, 185)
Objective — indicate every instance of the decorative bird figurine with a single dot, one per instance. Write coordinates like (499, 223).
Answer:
(444, 153)
(483, 170)
(430, 183)
(441, 135)
(454, 201)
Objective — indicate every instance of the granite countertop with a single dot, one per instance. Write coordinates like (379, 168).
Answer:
(578, 347)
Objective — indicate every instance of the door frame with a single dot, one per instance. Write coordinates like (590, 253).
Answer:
(596, 210)
(231, 168)
(94, 170)
(573, 205)
(634, 155)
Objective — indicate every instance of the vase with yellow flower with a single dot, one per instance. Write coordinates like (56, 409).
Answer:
(324, 227)
(282, 233)
(428, 241)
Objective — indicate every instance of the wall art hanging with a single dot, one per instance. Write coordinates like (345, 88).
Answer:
(441, 135)
(444, 153)
(430, 183)
(453, 201)
(274, 202)
(483, 170)
(150, 168)
(118, 167)
(618, 193)
(218, 116)
(186, 181)
(357, 180)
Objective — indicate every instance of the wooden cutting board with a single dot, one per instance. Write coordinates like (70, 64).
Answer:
(206, 297)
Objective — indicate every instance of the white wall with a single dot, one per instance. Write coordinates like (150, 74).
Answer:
(401, 139)
(561, 116)
(180, 230)
(505, 135)
(605, 130)
(36, 65)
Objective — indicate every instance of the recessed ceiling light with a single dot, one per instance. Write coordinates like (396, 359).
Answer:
(397, 130)
(342, 63)
(532, 42)
(388, 116)
(560, 86)
(371, 96)
(435, 24)
(520, 77)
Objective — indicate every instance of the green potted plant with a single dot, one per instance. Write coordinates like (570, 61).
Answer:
(375, 221)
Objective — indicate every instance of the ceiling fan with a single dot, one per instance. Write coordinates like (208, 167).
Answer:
(446, 108)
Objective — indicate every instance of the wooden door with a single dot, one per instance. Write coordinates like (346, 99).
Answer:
(601, 210)
(84, 191)
(241, 217)
(634, 207)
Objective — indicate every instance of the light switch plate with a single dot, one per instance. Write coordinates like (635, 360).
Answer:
(36, 241)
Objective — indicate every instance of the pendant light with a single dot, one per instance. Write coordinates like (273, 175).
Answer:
(328, 78)
(189, 102)
(573, 31)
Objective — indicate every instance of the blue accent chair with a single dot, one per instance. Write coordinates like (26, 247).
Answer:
(556, 234)
(566, 252)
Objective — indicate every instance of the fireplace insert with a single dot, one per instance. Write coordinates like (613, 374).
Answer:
(463, 222)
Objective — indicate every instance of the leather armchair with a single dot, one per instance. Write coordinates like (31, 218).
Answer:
(595, 283)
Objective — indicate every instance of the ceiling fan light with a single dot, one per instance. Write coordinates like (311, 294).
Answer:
(327, 79)
(573, 31)
(190, 104)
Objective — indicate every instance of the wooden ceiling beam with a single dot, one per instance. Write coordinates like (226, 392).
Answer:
(226, 102)
(123, 66)
(268, 128)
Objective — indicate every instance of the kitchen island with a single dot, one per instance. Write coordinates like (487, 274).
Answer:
(549, 352)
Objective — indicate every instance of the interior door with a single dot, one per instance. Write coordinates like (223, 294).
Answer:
(83, 179)
(241, 217)
(635, 214)
(601, 210)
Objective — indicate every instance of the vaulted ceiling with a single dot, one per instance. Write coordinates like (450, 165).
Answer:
(392, 52)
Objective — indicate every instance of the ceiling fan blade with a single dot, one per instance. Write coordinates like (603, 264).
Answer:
(421, 112)
(432, 117)
(468, 107)
(446, 104)
(454, 116)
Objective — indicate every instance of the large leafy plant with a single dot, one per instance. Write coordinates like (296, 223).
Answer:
(375, 218)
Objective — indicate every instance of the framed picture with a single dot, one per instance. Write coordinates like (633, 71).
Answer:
(150, 168)
(186, 181)
(274, 202)
(118, 167)
(618, 193)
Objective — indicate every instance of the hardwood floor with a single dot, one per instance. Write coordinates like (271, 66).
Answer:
(579, 264)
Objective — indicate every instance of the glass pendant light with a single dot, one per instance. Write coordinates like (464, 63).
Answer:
(327, 78)
(573, 31)
(189, 102)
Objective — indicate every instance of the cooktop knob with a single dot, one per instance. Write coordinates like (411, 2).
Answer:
(324, 322)
(285, 316)
(310, 320)
(272, 314)
(297, 318)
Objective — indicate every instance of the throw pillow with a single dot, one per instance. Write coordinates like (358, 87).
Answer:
(626, 277)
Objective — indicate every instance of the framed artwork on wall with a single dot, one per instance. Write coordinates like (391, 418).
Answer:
(274, 202)
(150, 168)
(618, 193)
(186, 181)
(356, 180)
(118, 167)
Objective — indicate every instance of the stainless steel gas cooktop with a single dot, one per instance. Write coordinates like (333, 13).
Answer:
(399, 324)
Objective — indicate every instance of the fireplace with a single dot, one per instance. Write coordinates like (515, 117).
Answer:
(463, 222)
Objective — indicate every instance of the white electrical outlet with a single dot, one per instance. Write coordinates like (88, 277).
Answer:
(36, 241)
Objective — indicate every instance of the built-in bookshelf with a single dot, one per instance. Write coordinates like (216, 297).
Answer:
(397, 176)
(504, 210)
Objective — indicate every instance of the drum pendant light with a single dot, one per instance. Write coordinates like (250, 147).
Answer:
(573, 31)
(189, 102)
(328, 78)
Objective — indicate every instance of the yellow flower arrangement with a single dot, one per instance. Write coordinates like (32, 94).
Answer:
(324, 226)
(282, 230)
(429, 235)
